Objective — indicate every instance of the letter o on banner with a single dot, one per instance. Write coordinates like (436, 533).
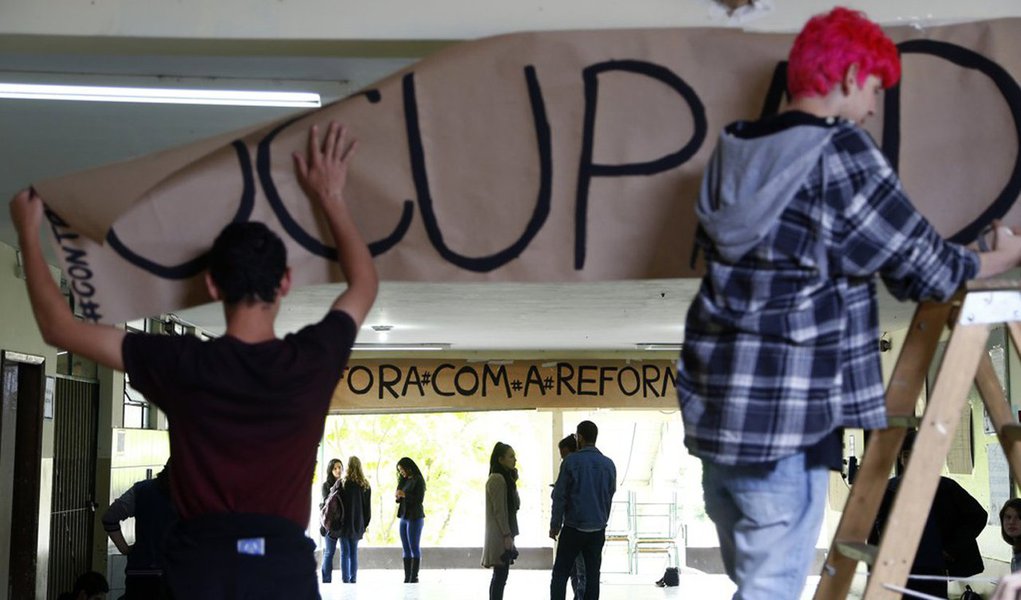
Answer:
(475, 381)
(351, 379)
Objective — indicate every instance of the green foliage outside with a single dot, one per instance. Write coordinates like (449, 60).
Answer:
(452, 449)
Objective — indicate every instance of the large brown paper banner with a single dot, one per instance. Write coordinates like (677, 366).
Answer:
(453, 385)
(561, 156)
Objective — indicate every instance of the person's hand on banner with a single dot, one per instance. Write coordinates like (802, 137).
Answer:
(27, 213)
(1005, 253)
(322, 172)
(1009, 588)
(57, 324)
(1005, 235)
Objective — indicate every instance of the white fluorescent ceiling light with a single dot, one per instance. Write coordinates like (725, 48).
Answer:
(401, 347)
(657, 346)
(90, 93)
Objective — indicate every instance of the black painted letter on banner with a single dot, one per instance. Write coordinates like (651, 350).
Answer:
(481, 264)
(587, 169)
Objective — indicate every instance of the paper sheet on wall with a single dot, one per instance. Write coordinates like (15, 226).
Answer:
(999, 482)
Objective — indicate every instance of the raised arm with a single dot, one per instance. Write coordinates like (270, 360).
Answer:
(57, 324)
(322, 173)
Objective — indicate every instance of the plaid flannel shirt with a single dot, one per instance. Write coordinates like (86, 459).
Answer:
(780, 350)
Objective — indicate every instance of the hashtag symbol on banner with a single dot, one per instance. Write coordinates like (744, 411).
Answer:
(427, 377)
(548, 383)
(89, 310)
(516, 385)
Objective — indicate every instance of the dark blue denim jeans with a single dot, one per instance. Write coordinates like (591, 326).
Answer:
(329, 550)
(348, 559)
(411, 537)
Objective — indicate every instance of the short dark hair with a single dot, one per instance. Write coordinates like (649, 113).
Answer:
(91, 583)
(570, 443)
(588, 431)
(247, 262)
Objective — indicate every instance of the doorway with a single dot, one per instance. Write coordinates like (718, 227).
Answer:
(22, 381)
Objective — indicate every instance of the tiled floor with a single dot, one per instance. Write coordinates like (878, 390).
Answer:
(473, 584)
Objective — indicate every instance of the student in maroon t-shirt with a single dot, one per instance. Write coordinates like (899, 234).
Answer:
(246, 410)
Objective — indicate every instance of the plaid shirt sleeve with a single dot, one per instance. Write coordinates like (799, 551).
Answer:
(879, 231)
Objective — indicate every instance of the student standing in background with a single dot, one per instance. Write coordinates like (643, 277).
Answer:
(357, 513)
(410, 495)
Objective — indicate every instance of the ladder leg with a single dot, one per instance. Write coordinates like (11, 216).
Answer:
(999, 412)
(906, 520)
(867, 492)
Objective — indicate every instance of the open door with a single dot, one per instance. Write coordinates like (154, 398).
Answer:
(22, 381)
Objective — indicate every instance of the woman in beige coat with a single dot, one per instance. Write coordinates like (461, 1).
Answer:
(502, 503)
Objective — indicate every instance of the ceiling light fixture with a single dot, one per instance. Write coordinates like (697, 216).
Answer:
(91, 93)
(400, 347)
(658, 346)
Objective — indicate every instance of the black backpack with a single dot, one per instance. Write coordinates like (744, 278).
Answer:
(331, 516)
(671, 578)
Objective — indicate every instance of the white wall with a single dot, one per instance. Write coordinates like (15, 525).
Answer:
(436, 20)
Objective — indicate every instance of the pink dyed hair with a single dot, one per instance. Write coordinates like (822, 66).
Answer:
(830, 43)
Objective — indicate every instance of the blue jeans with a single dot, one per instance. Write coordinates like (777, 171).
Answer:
(411, 537)
(348, 559)
(768, 518)
(329, 549)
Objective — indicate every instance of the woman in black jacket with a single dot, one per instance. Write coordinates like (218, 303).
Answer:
(409, 495)
(357, 512)
(334, 470)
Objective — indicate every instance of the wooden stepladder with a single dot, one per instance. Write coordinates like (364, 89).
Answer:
(969, 316)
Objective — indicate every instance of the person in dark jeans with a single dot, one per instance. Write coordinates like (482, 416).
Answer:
(502, 504)
(357, 514)
(246, 410)
(566, 446)
(582, 497)
(410, 495)
(334, 471)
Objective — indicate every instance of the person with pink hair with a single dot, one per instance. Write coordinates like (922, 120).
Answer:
(798, 213)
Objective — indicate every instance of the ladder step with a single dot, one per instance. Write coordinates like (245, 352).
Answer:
(861, 551)
(905, 421)
(1011, 432)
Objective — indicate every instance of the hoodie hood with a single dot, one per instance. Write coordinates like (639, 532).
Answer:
(750, 181)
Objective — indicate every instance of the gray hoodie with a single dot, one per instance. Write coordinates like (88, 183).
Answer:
(749, 182)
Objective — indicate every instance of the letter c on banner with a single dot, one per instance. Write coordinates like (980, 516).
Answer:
(198, 264)
(291, 226)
